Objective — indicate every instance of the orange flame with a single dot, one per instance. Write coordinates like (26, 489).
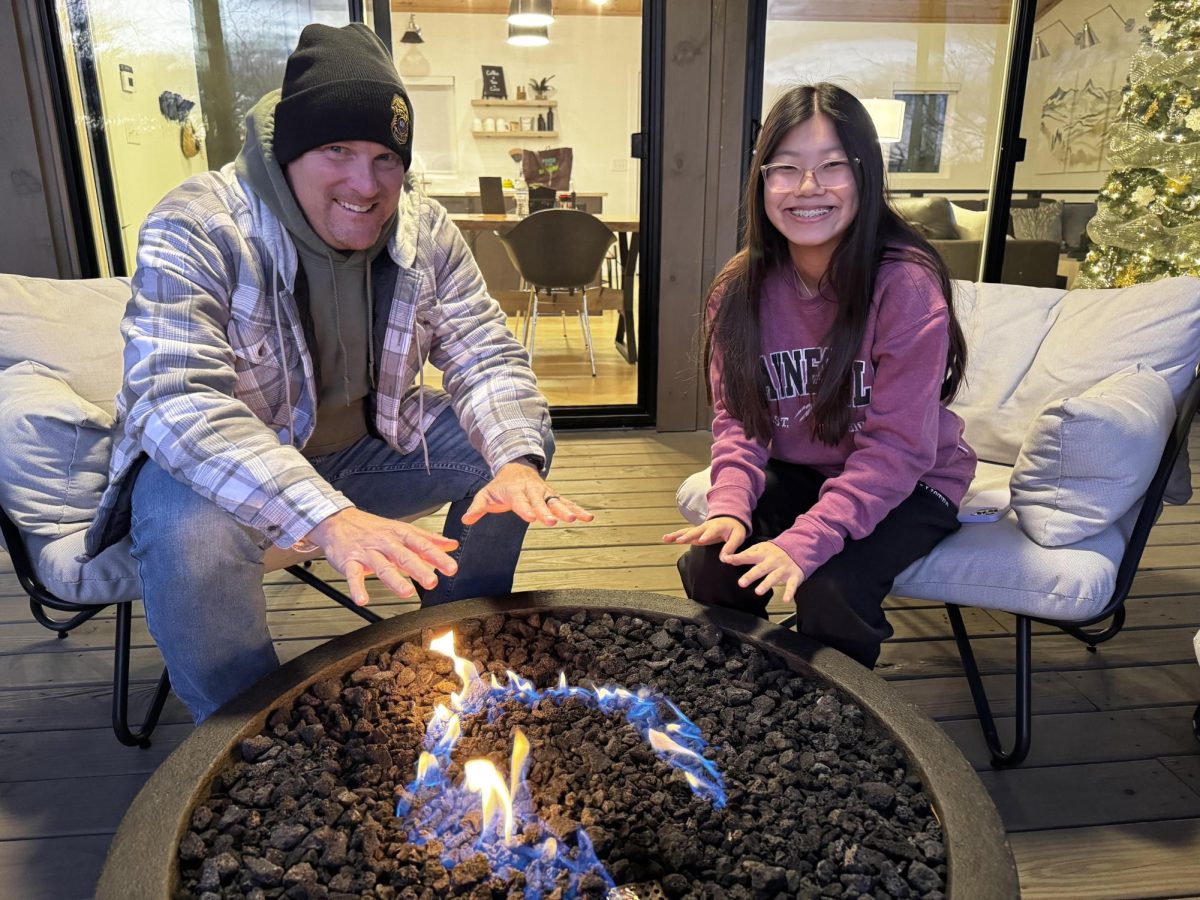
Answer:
(453, 730)
(483, 779)
(519, 683)
(425, 763)
(516, 766)
(463, 668)
(660, 741)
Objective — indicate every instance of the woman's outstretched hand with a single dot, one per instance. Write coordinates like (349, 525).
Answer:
(770, 567)
(713, 531)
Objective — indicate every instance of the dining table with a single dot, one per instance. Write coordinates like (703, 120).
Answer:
(628, 246)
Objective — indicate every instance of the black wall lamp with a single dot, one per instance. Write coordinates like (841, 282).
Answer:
(413, 34)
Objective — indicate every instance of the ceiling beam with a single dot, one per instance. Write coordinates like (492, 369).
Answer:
(500, 7)
(973, 12)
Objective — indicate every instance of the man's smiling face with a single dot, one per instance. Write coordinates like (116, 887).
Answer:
(347, 191)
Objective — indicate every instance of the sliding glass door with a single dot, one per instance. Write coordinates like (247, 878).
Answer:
(932, 77)
(161, 90)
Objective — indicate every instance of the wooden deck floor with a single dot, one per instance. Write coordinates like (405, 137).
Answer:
(1107, 806)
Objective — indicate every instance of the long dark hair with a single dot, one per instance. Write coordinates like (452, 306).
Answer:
(876, 235)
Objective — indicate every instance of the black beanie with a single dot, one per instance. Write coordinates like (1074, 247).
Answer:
(340, 85)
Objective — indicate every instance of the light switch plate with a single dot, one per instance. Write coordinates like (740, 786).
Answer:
(126, 78)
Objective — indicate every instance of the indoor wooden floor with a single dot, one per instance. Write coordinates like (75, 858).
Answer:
(560, 359)
(1108, 804)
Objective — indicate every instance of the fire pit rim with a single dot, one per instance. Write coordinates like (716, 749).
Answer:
(142, 861)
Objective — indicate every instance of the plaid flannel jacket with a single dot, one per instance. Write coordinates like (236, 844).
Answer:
(219, 386)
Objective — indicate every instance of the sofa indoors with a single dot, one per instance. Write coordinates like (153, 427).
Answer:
(956, 232)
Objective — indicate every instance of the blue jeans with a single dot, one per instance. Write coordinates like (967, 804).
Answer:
(202, 571)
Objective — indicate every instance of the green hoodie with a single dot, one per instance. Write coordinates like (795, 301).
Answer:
(338, 301)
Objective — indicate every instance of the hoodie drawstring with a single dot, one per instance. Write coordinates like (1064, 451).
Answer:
(337, 328)
(287, 378)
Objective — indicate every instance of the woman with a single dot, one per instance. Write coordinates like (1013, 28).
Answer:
(833, 350)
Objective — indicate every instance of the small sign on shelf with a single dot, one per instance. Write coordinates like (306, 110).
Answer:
(493, 83)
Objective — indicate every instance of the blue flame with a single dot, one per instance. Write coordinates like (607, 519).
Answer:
(436, 810)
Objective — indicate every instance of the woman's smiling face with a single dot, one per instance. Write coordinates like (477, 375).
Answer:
(810, 216)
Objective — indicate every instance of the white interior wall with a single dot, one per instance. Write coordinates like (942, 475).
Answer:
(596, 64)
(156, 40)
(872, 59)
(1056, 81)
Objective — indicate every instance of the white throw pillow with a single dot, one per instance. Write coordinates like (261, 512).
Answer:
(969, 222)
(56, 452)
(1086, 460)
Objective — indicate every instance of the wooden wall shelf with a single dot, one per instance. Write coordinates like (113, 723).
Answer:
(513, 103)
(515, 134)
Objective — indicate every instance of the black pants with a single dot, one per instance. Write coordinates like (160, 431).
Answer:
(840, 604)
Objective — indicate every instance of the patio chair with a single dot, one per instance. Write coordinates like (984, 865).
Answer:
(1078, 403)
(60, 369)
(559, 253)
(124, 591)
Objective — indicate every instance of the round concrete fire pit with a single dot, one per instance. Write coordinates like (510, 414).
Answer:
(811, 773)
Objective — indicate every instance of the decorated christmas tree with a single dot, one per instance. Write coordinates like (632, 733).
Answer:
(1147, 225)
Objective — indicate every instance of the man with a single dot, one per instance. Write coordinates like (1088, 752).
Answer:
(282, 310)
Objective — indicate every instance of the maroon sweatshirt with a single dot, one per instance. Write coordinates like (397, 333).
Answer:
(899, 433)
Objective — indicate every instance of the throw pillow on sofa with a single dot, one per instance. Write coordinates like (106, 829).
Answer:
(1039, 223)
(56, 452)
(970, 223)
(930, 216)
(1086, 460)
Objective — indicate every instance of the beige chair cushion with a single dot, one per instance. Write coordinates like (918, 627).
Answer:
(1087, 459)
(72, 328)
(1032, 346)
(56, 451)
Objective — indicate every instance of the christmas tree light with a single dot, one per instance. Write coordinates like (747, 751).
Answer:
(1147, 223)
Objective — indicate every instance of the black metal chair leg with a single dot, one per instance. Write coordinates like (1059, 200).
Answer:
(120, 717)
(1092, 638)
(63, 627)
(302, 574)
(1023, 724)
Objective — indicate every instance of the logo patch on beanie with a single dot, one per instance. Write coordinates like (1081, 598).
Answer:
(401, 119)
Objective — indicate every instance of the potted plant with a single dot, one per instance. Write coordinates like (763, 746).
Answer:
(541, 86)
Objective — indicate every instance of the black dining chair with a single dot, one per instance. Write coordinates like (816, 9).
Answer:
(558, 253)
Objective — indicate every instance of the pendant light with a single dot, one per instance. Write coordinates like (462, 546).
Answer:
(530, 12)
(526, 36)
(413, 35)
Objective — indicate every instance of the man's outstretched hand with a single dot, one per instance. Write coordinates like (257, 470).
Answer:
(359, 544)
(518, 488)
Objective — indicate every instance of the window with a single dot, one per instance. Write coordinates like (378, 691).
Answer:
(920, 146)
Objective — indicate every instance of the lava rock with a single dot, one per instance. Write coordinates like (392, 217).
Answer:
(820, 802)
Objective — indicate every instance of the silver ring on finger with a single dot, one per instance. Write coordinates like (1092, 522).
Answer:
(550, 498)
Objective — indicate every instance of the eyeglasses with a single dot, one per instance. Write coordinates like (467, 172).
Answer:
(833, 173)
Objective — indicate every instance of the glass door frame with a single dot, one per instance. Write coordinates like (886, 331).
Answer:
(646, 146)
